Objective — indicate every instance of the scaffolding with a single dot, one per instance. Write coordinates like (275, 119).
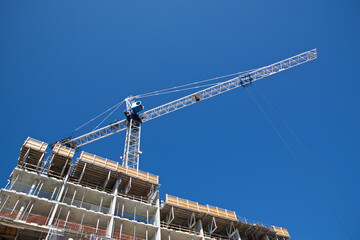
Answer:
(91, 197)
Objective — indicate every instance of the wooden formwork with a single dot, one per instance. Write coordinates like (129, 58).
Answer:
(215, 211)
(114, 166)
(183, 210)
(60, 160)
(103, 173)
(93, 176)
(281, 231)
(61, 150)
(32, 153)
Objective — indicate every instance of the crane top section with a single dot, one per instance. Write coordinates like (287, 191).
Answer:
(240, 81)
(134, 106)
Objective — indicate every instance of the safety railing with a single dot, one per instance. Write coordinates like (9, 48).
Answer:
(253, 222)
(41, 169)
(91, 231)
(79, 229)
(19, 188)
(137, 198)
(47, 195)
(135, 217)
(86, 205)
(32, 191)
(8, 213)
(177, 227)
(102, 189)
(126, 236)
(218, 237)
(68, 226)
(27, 217)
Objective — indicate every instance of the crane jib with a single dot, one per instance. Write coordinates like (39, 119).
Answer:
(240, 81)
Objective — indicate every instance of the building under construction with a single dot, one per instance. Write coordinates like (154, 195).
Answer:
(56, 197)
(71, 195)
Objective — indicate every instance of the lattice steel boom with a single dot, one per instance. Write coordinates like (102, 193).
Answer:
(240, 81)
(231, 84)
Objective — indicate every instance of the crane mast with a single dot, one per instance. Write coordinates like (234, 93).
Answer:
(133, 120)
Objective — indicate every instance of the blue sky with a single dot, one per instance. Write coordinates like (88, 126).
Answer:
(64, 62)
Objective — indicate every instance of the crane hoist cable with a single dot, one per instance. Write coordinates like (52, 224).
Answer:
(307, 152)
(117, 106)
(96, 117)
(306, 173)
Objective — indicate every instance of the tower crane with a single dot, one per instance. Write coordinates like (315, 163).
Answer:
(134, 118)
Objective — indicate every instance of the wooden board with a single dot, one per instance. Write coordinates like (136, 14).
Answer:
(281, 231)
(63, 151)
(215, 211)
(114, 166)
(35, 144)
(32, 153)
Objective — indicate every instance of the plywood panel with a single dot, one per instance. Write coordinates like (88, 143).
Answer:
(281, 231)
(63, 151)
(35, 144)
(200, 208)
(112, 165)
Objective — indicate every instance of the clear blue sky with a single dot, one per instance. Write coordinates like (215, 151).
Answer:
(63, 62)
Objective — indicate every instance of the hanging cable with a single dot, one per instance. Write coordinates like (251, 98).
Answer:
(179, 90)
(108, 115)
(118, 104)
(307, 152)
(155, 93)
(300, 164)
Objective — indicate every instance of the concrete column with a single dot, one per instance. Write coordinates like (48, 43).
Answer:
(13, 209)
(82, 199)
(57, 201)
(14, 181)
(157, 218)
(97, 224)
(121, 227)
(72, 200)
(32, 205)
(53, 194)
(110, 228)
(21, 211)
(67, 218)
(33, 187)
(40, 187)
(3, 202)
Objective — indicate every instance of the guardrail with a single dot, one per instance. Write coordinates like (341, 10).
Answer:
(86, 205)
(32, 191)
(90, 231)
(253, 222)
(29, 218)
(177, 227)
(134, 217)
(182, 228)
